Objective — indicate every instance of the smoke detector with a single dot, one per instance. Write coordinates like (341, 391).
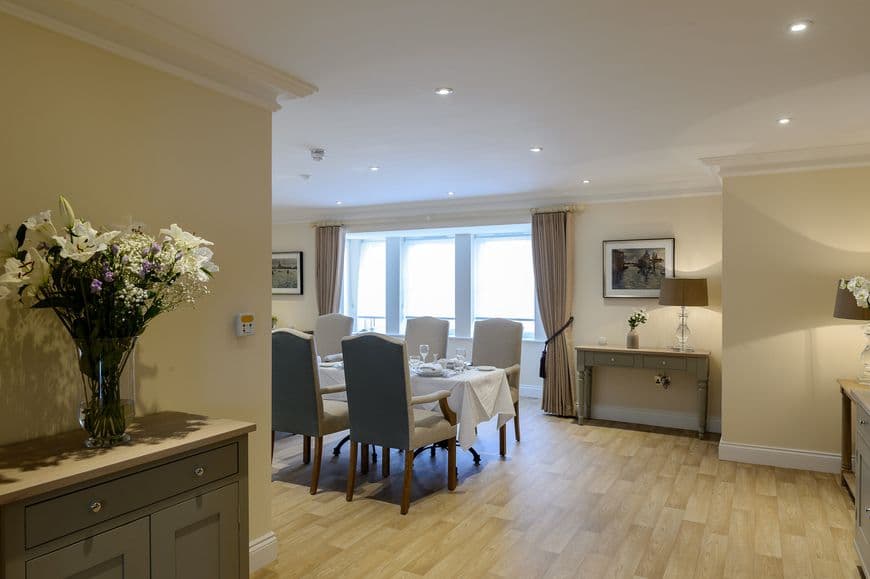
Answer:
(317, 154)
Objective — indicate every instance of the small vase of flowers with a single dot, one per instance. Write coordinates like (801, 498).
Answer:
(638, 318)
(105, 288)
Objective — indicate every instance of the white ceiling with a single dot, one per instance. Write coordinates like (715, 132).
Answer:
(627, 93)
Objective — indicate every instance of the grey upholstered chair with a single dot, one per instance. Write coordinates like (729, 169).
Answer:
(499, 342)
(382, 409)
(297, 398)
(328, 332)
(427, 330)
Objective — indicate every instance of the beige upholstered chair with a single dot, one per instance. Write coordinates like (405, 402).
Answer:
(328, 332)
(297, 398)
(427, 330)
(383, 411)
(499, 342)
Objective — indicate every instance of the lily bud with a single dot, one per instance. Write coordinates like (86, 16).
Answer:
(67, 212)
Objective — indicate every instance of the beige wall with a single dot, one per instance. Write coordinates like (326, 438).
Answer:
(124, 141)
(696, 223)
(298, 312)
(788, 238)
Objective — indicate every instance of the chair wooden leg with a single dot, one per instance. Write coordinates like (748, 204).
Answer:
(351, 471)
(385, 461)
(406, 485)
(318, 456)
(364, 460)
(273, 445)
(451, 464)
(502, 440)
(306, 449)
(517, 420)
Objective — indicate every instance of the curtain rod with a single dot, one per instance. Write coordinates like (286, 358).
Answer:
(317, 224)
(570, 208)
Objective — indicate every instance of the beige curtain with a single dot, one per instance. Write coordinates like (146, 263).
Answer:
(329, 265)
(553, 253)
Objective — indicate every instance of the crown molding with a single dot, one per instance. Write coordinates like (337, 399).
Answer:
(483, 210)
(790, 161)
(138, 35)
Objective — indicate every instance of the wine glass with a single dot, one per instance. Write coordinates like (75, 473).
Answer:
(414, 361)
(424, 352)
(460, 359)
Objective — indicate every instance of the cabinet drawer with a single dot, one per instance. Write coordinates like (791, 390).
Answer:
(606, 359)
(78, 510)
(664, 363)
(862, 423)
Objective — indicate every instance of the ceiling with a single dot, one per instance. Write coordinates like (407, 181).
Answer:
(627, 94)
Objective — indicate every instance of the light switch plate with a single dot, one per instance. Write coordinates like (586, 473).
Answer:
(245, 325)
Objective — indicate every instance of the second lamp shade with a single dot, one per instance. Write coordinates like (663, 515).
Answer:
(683, 291)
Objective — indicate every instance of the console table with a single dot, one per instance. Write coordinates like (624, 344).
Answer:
(171, 504)
(849, 389)
(695, 363)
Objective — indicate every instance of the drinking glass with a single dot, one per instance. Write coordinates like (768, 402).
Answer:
(414, 361)
(424, 352)
(460, 359)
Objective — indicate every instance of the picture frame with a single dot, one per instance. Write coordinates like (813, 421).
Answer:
(287, 273)
(634, 268)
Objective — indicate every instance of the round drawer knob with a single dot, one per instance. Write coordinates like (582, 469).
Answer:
(95, 506)
(613, 359)
(862, 421)
(199, 471)
(664, 362)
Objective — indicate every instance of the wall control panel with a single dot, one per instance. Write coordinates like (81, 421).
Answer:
(245, 325)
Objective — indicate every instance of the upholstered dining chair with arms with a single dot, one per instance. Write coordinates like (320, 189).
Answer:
(298, 405)
(383, 411)
(328, 332)
(427, 330)
(499, 342)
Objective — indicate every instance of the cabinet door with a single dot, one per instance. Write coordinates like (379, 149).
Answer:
(121, 553)
(862, 501)
(199, 538)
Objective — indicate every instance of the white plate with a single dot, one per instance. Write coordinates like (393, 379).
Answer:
(430, 373)
(485, 368)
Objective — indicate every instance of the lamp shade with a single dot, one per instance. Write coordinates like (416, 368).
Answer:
(683, 291)
(847, 308)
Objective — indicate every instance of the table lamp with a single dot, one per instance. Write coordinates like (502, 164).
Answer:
(683, 292)
(846, 308)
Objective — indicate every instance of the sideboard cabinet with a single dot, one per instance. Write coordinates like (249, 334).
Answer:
(172, 504)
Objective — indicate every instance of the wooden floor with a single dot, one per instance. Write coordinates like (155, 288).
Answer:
(569, 501)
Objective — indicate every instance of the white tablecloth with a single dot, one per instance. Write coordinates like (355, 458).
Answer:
(475, 397)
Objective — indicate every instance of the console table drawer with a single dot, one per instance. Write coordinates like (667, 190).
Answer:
(862, 422)
(664, 363)
(57, 517)
(607, 359)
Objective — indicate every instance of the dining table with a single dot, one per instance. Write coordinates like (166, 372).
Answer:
(476, 395)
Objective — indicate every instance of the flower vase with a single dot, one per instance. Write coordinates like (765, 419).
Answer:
(108, 393)
(632, 340)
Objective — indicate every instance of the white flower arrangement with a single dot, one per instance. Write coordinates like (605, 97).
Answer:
(859, 286)
(638, 318)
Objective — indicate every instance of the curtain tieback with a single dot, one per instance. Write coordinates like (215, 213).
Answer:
(542, 372)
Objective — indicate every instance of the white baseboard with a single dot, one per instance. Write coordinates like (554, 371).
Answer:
(527, 391)
(262, 551)
(781, 457)
(664, 418)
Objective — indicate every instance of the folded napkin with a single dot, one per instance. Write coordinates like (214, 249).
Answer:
(333, 358)
(429, 367)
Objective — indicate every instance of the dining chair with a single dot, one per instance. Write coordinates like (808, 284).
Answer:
(427, 330)
(383, 412)
(298, 405)
(499, 342)
(328, 332)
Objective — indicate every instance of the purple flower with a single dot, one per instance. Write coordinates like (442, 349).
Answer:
(155, 248)
(116, 249)
(108, 276)
(96, 286)
(147, 267)
(178, 256)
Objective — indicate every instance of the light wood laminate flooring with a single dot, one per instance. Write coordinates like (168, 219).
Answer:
(569, 501)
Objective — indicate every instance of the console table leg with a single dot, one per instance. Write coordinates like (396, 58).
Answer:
(587, 392)
(702, 408)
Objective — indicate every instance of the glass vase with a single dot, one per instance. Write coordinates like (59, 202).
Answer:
(632, 340)
(107, 391)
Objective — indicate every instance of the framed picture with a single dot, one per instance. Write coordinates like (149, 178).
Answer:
(287, 272)
(634, 268)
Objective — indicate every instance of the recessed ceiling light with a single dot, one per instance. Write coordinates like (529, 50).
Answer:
(374, 168)
(586, 181)
(338, 202)
(800, 26)
(444, 91)
(536, 149)
(784, 120)
(450, 193)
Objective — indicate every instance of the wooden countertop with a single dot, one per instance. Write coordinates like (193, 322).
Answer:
(857, 392)
(653, 351)
(42, 465)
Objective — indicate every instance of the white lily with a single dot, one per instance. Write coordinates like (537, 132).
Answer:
(14, 272)
(66, 210)
(183, 239)
(8, 242)
(84, 241)
(40, 228)
(4, 292)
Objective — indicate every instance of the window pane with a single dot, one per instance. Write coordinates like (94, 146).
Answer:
(504, 280)
(428, 272)
(372, 286)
